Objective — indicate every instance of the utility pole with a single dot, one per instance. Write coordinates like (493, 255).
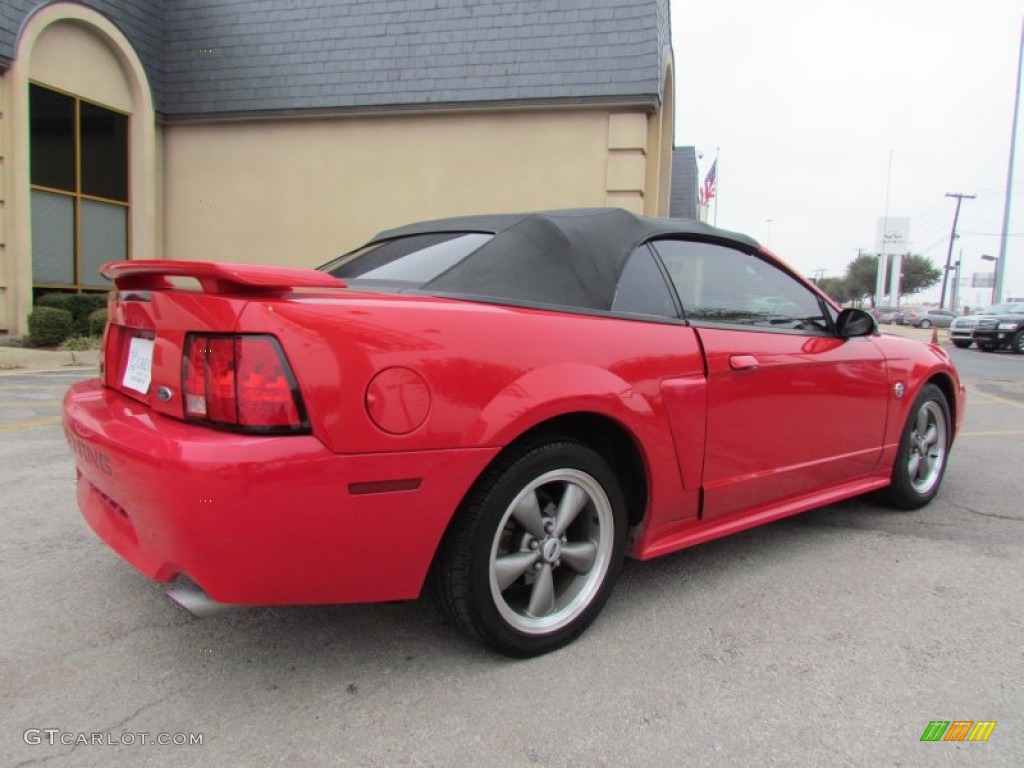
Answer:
(960, 197)
(954, 295)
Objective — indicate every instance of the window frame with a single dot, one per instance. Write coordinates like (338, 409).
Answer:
(77, 196)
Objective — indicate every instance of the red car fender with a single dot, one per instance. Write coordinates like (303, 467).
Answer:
(912, 365)
(554, 390)
(571, 388)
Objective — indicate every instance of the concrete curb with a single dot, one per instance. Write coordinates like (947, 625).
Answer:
(21, 359)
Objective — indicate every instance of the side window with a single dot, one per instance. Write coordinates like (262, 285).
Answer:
(642, 289)
(723, 285)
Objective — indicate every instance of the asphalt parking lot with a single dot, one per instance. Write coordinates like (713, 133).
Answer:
(831, 638)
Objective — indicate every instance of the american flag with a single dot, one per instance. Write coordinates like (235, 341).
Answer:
(708, 190)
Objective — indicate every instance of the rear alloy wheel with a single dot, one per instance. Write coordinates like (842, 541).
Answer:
(924, 449)
(534, 551)
(926, 324)
(1017, 345)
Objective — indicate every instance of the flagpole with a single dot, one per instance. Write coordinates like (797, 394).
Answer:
(718, 151)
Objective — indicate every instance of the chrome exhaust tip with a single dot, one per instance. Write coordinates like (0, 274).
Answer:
(192, 598)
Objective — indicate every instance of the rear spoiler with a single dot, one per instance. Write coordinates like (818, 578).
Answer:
(214, 276)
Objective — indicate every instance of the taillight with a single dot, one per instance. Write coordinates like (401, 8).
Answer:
(241, 382)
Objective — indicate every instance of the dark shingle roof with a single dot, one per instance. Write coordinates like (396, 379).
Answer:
(207, 57)
(325, 54)
(683, 199)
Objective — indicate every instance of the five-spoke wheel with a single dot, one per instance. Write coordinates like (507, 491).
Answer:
(532, 554)
(551, 551)
(924, 448)
(927, 442)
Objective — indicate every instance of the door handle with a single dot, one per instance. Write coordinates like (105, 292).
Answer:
(742, 362)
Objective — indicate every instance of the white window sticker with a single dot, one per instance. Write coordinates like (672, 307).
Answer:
(139, 369)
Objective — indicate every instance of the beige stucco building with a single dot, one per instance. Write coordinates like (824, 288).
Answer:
(289, 132)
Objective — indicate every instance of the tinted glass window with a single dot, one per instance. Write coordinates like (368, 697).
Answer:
(722, 285)
(104, 137)
(407, 261)
(52, 136)
(642, 288)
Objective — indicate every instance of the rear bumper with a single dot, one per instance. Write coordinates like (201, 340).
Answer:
(260, 519)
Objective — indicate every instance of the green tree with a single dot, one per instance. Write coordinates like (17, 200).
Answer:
(860, 275)
(916, 273)
(837, 288)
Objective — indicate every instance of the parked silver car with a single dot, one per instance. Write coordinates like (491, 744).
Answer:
(926, 317)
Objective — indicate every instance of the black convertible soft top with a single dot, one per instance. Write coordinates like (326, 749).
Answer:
(569, 258)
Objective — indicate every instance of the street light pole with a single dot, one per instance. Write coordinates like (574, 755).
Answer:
(997, 289)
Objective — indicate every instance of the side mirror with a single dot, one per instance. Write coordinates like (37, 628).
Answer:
(855, 322)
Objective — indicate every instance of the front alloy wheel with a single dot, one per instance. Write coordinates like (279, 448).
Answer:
(926, 324)
(924, 449)
(531, 556)
(1017, 345)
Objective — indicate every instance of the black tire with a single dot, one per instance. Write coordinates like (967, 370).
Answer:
(1017, 345)
(472, 578)
(910, 488)
(987, 347)
(925, 324)
(961, 343)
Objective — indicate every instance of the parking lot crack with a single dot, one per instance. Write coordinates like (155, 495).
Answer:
(144, 707)
(988, 514)
(107, 730)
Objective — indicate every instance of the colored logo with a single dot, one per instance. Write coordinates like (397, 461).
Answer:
(958, 730)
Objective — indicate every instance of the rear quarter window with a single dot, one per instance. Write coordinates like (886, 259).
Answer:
(406, 261)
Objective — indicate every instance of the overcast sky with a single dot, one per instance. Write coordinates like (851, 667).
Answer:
(807, 98)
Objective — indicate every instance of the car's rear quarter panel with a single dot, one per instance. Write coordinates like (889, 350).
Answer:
(493, 372)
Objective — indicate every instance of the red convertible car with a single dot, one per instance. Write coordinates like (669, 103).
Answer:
(498, 409)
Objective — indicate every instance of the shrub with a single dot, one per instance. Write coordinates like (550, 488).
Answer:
(48, 326)
(97, 322)
(80, 305)
(56, 300)
(80, 343)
